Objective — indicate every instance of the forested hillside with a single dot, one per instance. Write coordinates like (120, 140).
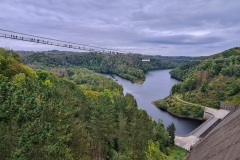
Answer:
(206, 83)
(178, 59)
(43, 116)
(128, 66)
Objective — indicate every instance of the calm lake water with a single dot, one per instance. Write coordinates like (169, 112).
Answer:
(157, 86)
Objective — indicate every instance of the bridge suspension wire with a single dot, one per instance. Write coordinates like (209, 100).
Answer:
(55, 42)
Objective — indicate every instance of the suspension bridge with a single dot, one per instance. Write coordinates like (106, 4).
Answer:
(60, 43)
(55, 42)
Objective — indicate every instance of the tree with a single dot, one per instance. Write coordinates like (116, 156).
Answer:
(161, 136)
(171, 131)
(46, 117)
(176, 88)
(204, 86)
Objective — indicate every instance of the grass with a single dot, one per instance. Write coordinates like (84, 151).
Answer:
(177, 153)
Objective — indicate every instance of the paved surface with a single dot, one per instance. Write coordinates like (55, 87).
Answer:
(194, 137)
(220, 114)
(186, 142)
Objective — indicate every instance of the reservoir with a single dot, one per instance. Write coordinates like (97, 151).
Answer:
(157, 86)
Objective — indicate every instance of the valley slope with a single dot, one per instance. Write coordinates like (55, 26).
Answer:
(83, 115)
(204, 83)
(128, 66)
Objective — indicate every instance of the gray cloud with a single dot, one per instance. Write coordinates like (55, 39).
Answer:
(184, 40)
(188, 27)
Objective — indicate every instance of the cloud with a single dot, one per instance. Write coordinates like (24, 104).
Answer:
(189, 27)
(184, 40)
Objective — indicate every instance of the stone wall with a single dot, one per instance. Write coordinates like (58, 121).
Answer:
(210, 128)
(228, 106)
(206, 116)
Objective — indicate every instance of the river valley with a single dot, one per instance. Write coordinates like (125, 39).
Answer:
(156, 86)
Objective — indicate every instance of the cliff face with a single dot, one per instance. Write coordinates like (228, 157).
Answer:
(223, 142)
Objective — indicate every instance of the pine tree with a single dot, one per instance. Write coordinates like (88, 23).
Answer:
(171, 131)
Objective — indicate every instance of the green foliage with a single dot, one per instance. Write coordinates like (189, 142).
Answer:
(185, 112)
(177, 107)
(93, 81)
(128, 66)
(234, 89)
(176, 88)
(208, 82)
(163, 104)
(181, 72)
(19, 79)
(154, 153)
(3, 78)
(198, 112)
(162, 137)
(10, 66)
(46, 117)
(177, 153)
(203, 87)
(171, 131)
(42, 74)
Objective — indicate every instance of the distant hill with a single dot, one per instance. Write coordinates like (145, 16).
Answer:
(177, 59)
(182, 71)
(128, 66)
(206, 83)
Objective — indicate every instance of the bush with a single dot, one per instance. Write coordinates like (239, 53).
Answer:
(185, 112)
(163, 104)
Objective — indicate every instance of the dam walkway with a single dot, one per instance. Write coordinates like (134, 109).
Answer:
(213, 117)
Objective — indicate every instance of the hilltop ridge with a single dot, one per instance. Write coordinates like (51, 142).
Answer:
(128, 66)
(206, 83)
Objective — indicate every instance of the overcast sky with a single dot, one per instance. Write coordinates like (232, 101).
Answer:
(163, 27)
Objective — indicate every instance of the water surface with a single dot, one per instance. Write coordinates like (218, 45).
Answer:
(157, 86)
